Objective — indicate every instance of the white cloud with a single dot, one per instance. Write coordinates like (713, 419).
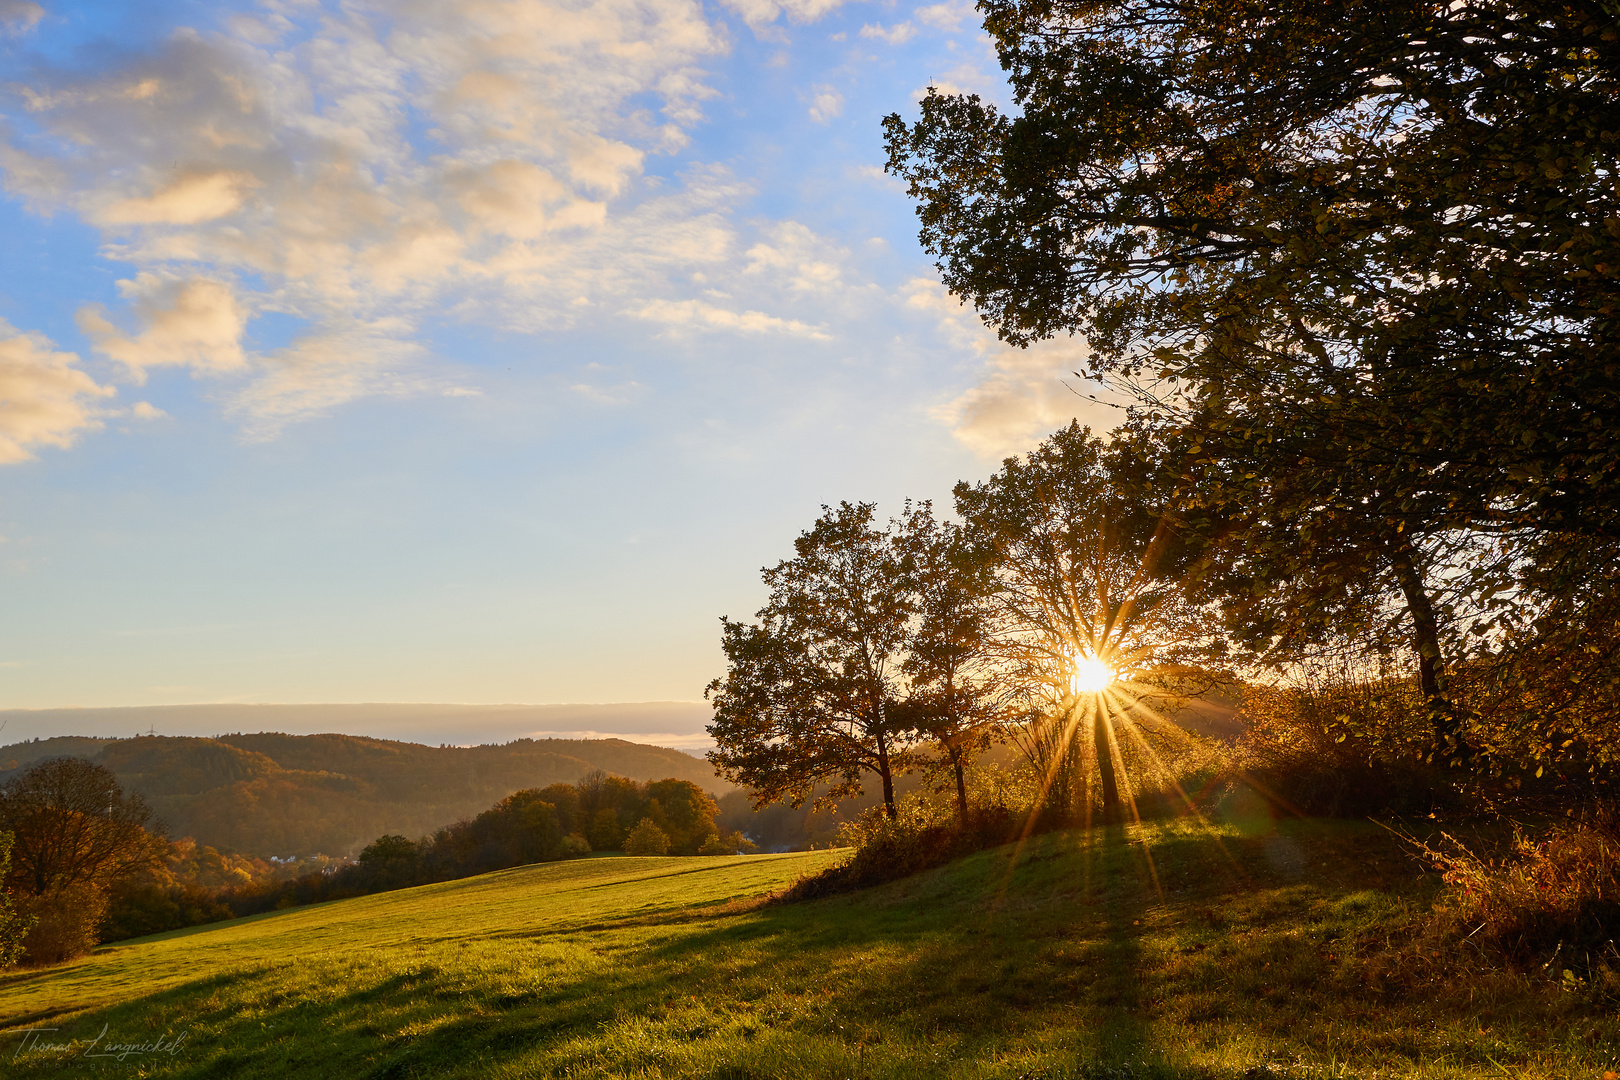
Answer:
(874, 174)
(1022, 395)
(238, 174)
(825, 104)
(759, 14)
(188, 199)
(898, 34)
(45, 400)
(321, 371)
(699, 315)
(800, 259)
(946, 16)
(17, 17)
(195, 323)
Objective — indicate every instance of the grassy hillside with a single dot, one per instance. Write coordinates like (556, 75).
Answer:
(272, 794)
(1238, 953)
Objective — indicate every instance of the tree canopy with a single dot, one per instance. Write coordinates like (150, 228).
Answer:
(1358, 263)
(74, 826)
(808, 695)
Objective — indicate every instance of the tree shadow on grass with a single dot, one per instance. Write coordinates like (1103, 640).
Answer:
(1028, 961)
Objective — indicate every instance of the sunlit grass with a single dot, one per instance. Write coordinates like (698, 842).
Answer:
(1251, 947)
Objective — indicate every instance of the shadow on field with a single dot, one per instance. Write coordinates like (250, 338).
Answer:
(1084, 949)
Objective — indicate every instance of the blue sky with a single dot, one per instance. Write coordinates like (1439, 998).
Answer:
(473, 353)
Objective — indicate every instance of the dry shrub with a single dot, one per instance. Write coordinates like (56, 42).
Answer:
(1342, 748)
(1541, 898)
(919, 837)
(69, 922)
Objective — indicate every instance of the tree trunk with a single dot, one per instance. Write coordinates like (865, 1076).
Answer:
(1105, 764)
(961, 785)
(1426, 643)
(886, 774)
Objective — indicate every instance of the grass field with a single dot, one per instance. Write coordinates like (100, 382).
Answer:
(1164, 951)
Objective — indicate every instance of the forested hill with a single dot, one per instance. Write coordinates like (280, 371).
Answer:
(271, 794)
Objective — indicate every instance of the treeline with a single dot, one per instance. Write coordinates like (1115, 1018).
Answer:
(268, 794)
(600, 813)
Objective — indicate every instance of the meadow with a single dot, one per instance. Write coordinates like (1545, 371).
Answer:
(1175, 950)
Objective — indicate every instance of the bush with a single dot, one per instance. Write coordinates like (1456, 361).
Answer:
(731, 843)
(68, 922)
(136, 910)
(1341, 749)
(919, 837)
(574, 845)
(646, 839)
(1558, 894)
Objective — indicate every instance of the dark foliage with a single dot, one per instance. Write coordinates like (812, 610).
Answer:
(283, 795)
(890, 848)
(529, 826)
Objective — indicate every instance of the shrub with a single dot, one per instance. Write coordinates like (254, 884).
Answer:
(67, 923)
(646, 839)
(1560, 893)
(1341, 748)
(574, 845)
(731, 843)
(919, 837)
(138, 909)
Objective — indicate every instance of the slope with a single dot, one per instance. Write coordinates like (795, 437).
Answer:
(1170, 951)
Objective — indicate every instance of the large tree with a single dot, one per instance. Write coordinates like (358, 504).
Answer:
(808, 695)
(1090, 571)
(959, 693)
(74, 826)
(1360, 258)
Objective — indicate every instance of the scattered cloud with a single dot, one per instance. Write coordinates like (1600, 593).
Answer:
(195, 323)
(256, 169)
(17, 17)
(874, 174)
(760, 14)
(45, 399)
(699, 315)
(946, 16)
(825, 104)
(189, 199)
(334, 366)
(1022, 395)
(898, 34)
(801, 260)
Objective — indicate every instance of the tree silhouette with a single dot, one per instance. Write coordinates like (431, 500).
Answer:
(809, 690)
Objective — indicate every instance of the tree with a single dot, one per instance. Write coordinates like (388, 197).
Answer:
(808, 695)
(1363, 253)
(607, 806)
(390, 862)
(73, 825)
(1089, 579)
(646, 839)
(14, 925)
(959, 695)
(684, 811)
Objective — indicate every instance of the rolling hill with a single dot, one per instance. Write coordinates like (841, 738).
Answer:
(1174, 951)
(270, 794)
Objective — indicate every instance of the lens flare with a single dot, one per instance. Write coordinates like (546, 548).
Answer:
(1090, 675)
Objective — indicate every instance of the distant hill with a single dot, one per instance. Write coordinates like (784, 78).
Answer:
(273, 794)
(666, 723)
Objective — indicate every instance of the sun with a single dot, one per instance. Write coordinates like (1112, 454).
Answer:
(1091, 676)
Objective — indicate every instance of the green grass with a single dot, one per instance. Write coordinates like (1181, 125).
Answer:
(1168, 951)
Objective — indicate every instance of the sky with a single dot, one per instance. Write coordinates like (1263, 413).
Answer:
(477, 352)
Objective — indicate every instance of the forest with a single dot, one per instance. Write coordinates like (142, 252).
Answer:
(271, 795)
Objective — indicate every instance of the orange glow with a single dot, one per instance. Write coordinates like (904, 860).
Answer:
(1090, 675)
